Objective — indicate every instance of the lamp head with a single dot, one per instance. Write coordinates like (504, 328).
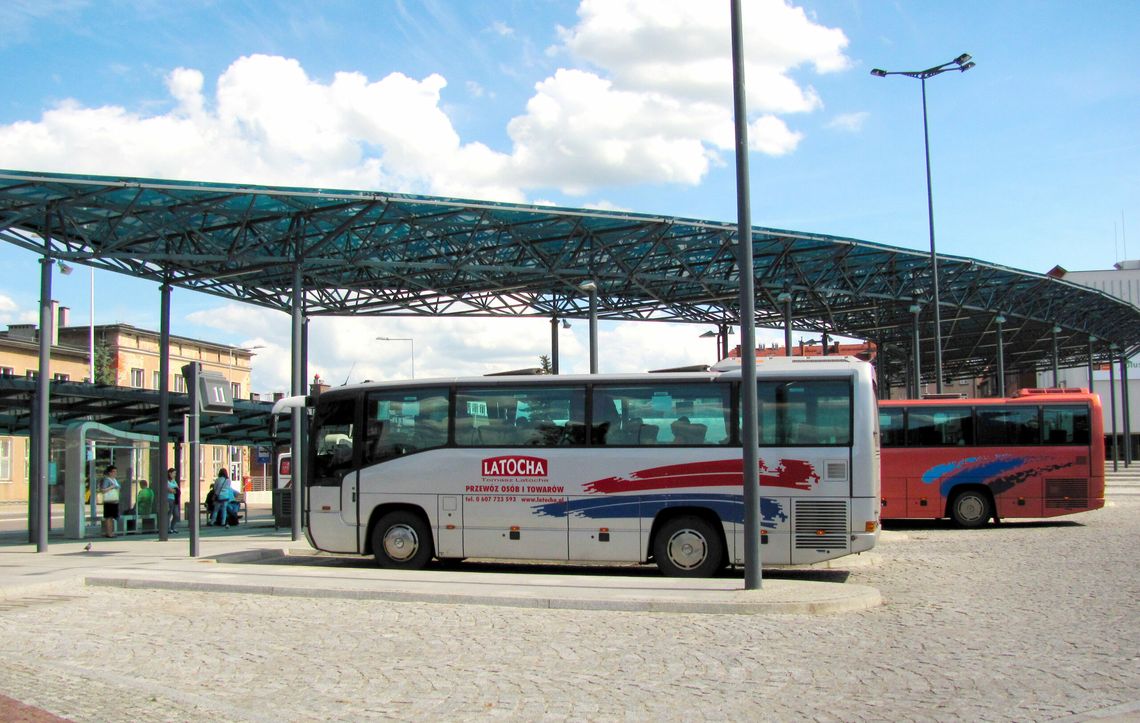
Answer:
(64, 269)
(709, 334)
(878, 72)
(565, 324)
(588, 286)
(963, 59)
(967, 66)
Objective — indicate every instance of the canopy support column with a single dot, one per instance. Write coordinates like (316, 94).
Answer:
(1112, 401)
(554, 344)
(1056, 358)
(999, 321)
(42, 503)
(916, 309)
(160, 485)
(1125, 410)
(299, 415)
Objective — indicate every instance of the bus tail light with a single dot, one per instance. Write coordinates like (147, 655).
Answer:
(514, 532)
(604, 534)
(870, 526)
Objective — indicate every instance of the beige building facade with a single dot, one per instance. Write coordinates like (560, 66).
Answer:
(124, 356)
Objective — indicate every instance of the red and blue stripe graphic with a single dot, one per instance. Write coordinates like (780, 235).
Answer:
(645, 492)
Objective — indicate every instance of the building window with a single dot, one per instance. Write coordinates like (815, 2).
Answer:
(179, 384)
(59, 377)
(236, 387)
(5, 460)
(7, 372)
(137, 378)
(31, 373)
(157, 380)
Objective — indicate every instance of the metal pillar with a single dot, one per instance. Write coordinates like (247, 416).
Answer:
(1092, 389)
(193, 420)
(825, 341)
(917, 355)
(593, 288)
(160, 485)
(999, 321)
(723, 342)
(1124, 409)
(1056, 359)
(299, 416)
(753, 576)
(787, 299)
(43, 393)
(554, 345)
(1112, 401)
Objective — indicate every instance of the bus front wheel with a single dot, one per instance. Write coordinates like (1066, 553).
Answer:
(688, 546)
(971, 508)
(401, 539)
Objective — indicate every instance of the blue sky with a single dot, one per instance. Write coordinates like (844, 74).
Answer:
(600, 104)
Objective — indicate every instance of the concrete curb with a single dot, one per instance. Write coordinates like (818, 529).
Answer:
(777, 596)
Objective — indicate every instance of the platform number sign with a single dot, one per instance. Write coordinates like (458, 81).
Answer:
(215, 395)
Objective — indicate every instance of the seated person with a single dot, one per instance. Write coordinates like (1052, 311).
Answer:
(144, 503)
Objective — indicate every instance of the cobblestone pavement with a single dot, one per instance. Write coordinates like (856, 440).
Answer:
(1026, 621)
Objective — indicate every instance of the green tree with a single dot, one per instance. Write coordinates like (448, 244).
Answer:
(544, 363)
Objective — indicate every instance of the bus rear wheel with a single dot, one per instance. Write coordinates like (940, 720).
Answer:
(971, 509)
(688, 546)
(401, 540)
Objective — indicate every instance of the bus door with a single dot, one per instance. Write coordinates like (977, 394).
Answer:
(334, 480)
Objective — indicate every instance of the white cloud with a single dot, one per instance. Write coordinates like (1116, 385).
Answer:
(851, 122)
(500, 28)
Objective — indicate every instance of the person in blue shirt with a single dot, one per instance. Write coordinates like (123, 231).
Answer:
(172, 494)
(223, 497)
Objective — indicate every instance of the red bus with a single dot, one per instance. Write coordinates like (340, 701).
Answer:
(1039, 453)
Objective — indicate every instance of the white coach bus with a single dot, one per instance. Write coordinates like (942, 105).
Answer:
(621, 468)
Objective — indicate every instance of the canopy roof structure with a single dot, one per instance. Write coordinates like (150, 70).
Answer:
(133, 410)
(361, 252)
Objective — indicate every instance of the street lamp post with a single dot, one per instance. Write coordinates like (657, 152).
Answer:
(962, 63)
(407, 339)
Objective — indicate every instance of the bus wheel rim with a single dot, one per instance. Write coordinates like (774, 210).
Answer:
(687, 549)
(970, 507)
(401, 542)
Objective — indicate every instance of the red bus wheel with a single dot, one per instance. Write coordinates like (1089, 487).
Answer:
(971, 508)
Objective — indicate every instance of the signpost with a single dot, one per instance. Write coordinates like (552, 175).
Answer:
(210, 393)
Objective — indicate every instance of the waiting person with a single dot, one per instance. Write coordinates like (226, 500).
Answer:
(109, 486)
(223, 496)
(173, 493)
(144, 503)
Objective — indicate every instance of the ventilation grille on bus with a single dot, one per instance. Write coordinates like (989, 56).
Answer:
(835, 470)
(821, 524)
(1066, 494)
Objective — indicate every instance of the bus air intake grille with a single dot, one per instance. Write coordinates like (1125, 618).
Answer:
(821, 524)
(1066, 494)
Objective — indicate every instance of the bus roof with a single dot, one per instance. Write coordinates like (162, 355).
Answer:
(775, 366)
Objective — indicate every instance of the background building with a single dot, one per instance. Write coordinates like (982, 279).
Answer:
(124, 356)
(1123, 282)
